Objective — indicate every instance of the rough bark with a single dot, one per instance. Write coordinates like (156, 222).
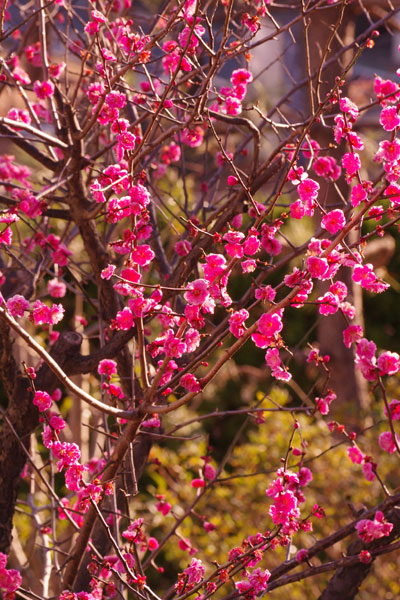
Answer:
(21, 418)
(346, 582)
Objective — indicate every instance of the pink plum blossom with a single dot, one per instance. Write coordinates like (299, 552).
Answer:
(197, 292)
(190, 383)
(17, 305)
(317, 267)
(389, 118)
(333, 221)
(352, 334)
(42, 400)
(351, 163)
(369, 530)
(387, 443)
(43, 89)
(388, 363)
(236, 322)
(107, 367)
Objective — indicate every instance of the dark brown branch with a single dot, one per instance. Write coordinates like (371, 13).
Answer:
(30, 149)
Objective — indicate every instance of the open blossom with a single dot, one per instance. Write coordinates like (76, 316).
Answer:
(10, 579)
(389, 150)
(190, 383)
(74, 477)
(284, 508)
(266, 292)
(124, 319)
(17, 305)
(389, 118)
(241, 76)
(348, 107)
(236, 322)
(195, 572)
(142, 255)
(107, 367)
(251, 245)
(270, 324)
(308, 189)
(66, 454)
(352, 334)
(42, 314)
(197, 292)
(358, 195)
(193, 137)
(327, 167)
(233, 106)
(257, 582)
(387, 442)
(278, 371)
(365, 276)
(351, 163)
(42, 400)
(108, 272)
(297, 209)
(317, 267)
(56, 288)
(328, 304)
(365, 359)
(355, 455)
(369, 530)
(333, 221)
(324, 402)
(174, 347)
(43, 89)
(388, 363)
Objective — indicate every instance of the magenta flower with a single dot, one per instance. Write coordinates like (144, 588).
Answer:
(107, 272)
(197, 292)
(107, 367)
(352, 334)
(369, 530)
(66, 453)
(348, 107)
(74, 477)
(195, 572)
(358, 195)
(174, 347)
(142, 255)
(389, 118)
(308, 190)
(241, 76)
(56, 288)
(351, 163)
(317, 267)
(270, 324)
(232, 180)
(386, 442)
(190, 383)
(124, 319)
(198, 483)
(236, 322)
(17, 305)
(355, 455)
(388, 363)
(42, 400)
(389, 150)
(43, 89)
(333, 221)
